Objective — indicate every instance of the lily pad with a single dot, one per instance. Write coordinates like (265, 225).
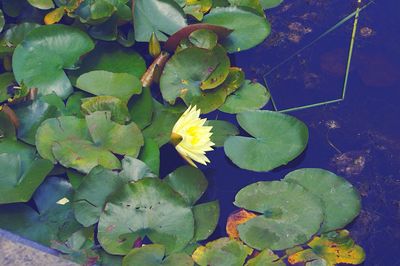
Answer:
(67, 139)
(222, 252)
(189, 182)
(341, 201)
(159, 16)
(154, 255)
(117, 108)
(52, 221)
(221, 131)
(183, 79)
(249, 29)
(99, 184)
(204, 38)
(120, 85)
(17, 33)
(290, 215)
(141, 108)
(6, 79)
(39, 60)
(42, 4)
(277, 139)
(17, 185)
(206, 216)
(250, 96)
(150, 155)
(148, 207)
(117, 138)
(267, 4)
(265, 258)
(113, 58)
(195, 8)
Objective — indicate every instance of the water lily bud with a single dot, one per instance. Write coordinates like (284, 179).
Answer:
(154, 46)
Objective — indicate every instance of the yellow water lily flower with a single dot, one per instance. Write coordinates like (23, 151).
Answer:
(191, 137)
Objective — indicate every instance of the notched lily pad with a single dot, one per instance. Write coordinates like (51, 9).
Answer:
(289, 215)
(341, 201)
(223, 251)
(148, 207)
(277, 139)
(39, 60)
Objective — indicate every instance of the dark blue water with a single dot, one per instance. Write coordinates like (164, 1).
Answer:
(358, 138)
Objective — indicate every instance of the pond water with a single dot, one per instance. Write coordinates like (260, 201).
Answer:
(358, 138)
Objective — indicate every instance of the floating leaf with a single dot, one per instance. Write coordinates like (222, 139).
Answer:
(113, 58)
(267, 4)
(251, 96)
(154, 255)
(39, 60)
(6, 79)
(181, 78)
(221, 252)
(204, 38)
(54, 16)
(141, 108)
(206, 218)
(117, 108)
(164, 119)
(117, 138)
(15, 35)
(42, 4)
(99, 184)
(221, 131)
(67, 139)
(50, 222)
(278, 139)
(249, 4)
(236, 218)
(249, 29)
(196, 8)
(173, 41)
(189, 182)
(340, 199)
(148, 207)
(150, 155)
(120, 85)
(159, 16)
(290, 215)
(330, 249)
(265, 258)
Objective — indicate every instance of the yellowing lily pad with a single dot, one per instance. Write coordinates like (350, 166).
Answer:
(222, 252)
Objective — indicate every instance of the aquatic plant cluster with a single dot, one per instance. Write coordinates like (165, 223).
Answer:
(83, 118)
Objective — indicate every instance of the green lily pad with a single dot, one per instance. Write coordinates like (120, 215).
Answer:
(159, 16)
(67, 139)
(16, 185)
(150, 155)
(148, 207)
(290, 215)
(189, 182)
(99, 184)
(39, 60)
(267, 4)
(222, 252)
(249, 29)
(52, 221)
(251, 96)
(117, 138)
(42, 4)
(206, 218)
(117, 108)
(113, 58)
(265, 258)
(249, 4)
(221, 130)
(195, 8)
(277, 139)
(154, 255)
(120, 85)
(204, 38)
(164, 119)
(141, 108)
(31, 115)
(183, 79)
(17, 33)
(341, 201)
